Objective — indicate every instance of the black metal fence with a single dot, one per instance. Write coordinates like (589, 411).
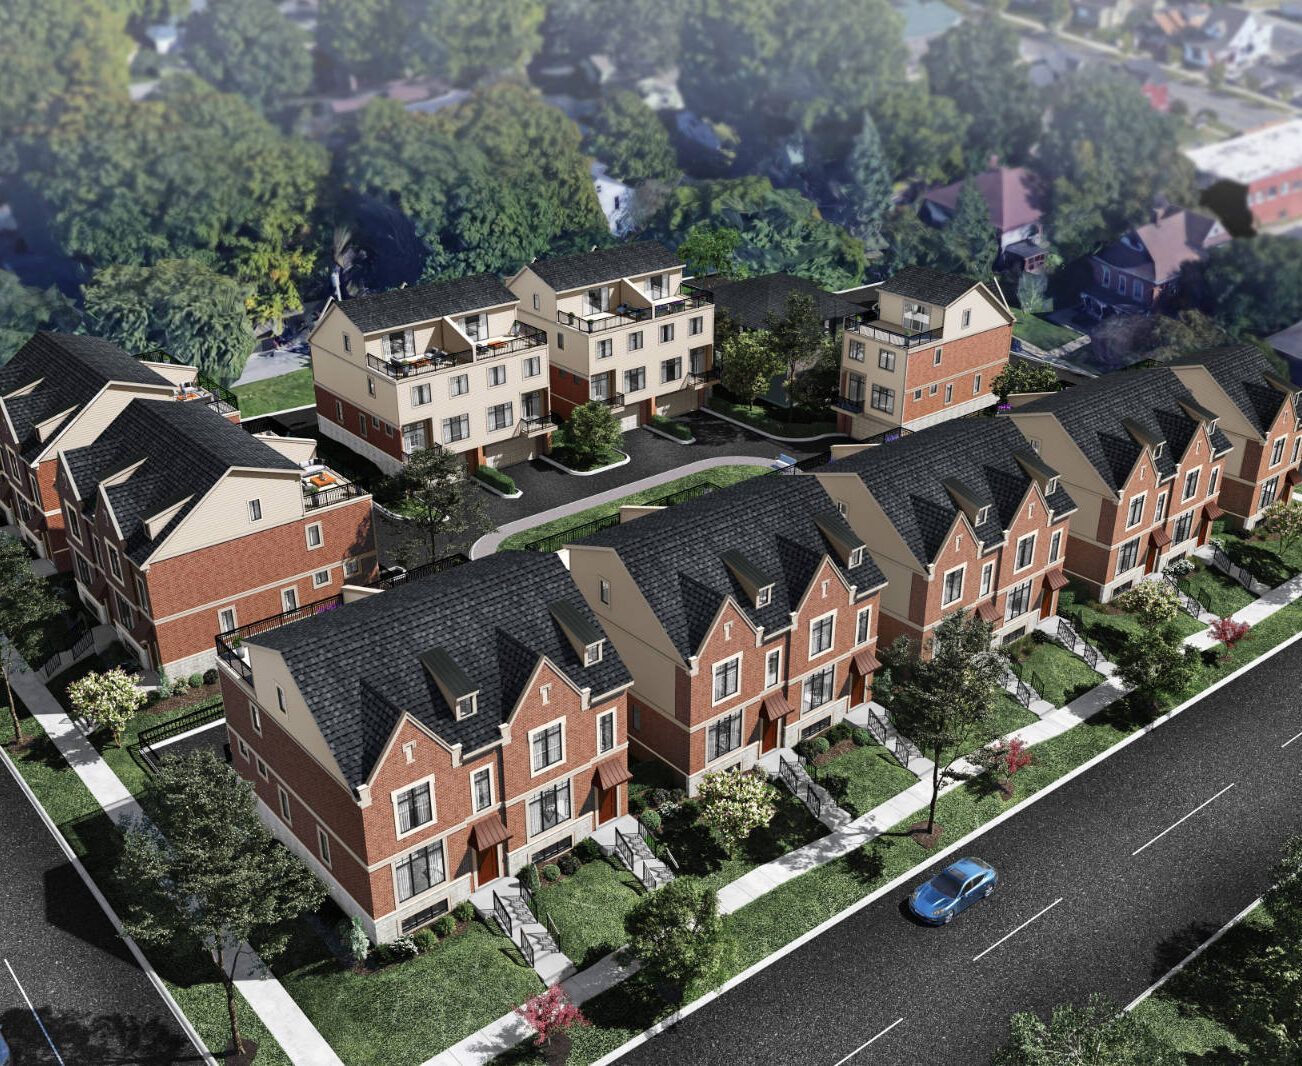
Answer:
(1226, 565)
(1067, 636)
(416, 573)
(153, 735)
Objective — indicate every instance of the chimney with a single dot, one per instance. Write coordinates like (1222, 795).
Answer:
(334, 280)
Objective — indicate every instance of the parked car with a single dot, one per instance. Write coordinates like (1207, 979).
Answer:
(948, 894)
(5, 1057)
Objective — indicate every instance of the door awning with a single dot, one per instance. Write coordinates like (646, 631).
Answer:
(488, 832)
(775, 706)
(613, 772)
(865, 662)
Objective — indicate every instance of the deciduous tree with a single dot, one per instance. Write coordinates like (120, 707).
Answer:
(1154, 603)
(592, 431)
(110, 699)
(631, 139)
(1249, 286)
(25, 310)
(462, 42)
(750, 362)
(551, 1014)
(642, 37)
(922, 133)
(675, 931)
(734, 804)
(249, 48)
(1156, 663)
(797, 335)
(26, 607)
(1229, 632)
(1097, 1034)
(1022, 376)
(711, 250)
(438, 498)
(1283, 522)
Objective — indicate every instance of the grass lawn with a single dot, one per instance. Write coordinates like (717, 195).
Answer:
(757, 416)
(1054, 672)
(609, 457)
(125, 760)
(276, 394)
(1261, 557)
(1220, 593)
(403, 1014)
(1108, 627)
(719, 475)
(1009, 716)
(588, 909)
(1041, 332)
(863, 778)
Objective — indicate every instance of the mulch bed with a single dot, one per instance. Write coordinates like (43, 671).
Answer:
(839, 748)
(231, 1057)
(191, 697)
(924, 839)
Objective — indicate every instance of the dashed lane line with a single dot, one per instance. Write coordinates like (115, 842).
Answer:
(1033, 917)
(1182, 820)
(873, 1040)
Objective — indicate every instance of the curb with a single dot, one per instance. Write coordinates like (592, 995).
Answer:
(518, 494)
(587, 473)
(669, 437)
(773, 436)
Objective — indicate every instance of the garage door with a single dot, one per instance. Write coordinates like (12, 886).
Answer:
(510, 452)
(628, 422)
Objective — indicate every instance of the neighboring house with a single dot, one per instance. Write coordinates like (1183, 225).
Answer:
(420, 744)
(1101, 14)
(1152, 81)
(750, 303)
(445, 364)
(1260, 413)
(1231, 37)
(1254, 179)
(1143, 461)
(182, 525)
(1014, 198)
(626, 333)
(747, 617)
(60, 391)
(1132, 273)
(923, 349)
(1287, 343)
(615, 197)
(962, 515)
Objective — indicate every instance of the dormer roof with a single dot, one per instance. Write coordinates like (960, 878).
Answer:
(1248, 378)
(604, 265)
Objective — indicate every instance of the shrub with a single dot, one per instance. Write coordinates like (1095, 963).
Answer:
(1152, 602)
(819, 745)
(196, 680)
(551, 873)
(354, 939)
(839, 732)
(164, 686)
(529, 877)
(862, 738)
(658, 796)
(425, 940)
(551, 1013)
(805, 749)
(399, 950)
(569, 865)
(651, 819)
(464, 911)
(588, 850)
(1066, 600)
(494, 478)
(1180, 568)
(210, 676)
(109, 699)
(733, 804)
(635, 803)
(445, 926)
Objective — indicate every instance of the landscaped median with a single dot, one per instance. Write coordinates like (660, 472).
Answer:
(763, 420)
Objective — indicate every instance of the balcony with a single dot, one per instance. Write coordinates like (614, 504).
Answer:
(230, 648)
(604, 320)
(416, 573)
(531, 425)
(202, 389)
(522, 338)
(684, 302)
(848, 403)
(902, 336)
(703, 377)
(615, 399)
(317, 497)
(430, 362)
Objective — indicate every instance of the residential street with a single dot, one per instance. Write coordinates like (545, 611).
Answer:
(1104, 885)
(59, 951)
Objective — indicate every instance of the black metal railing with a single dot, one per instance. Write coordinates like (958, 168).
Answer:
(523, 338)
(200, 716)
(615, 399)
(229, 642)
(527, 947)
(416, 573)
(503, 917)
(847, 403)
(530, 900)
(219, 397)
(1191, 605)
(314, 498)
(787, 771)
(623, 848)
(535, 423)
(1221, 561)
(900, 746)
(703, 377)
(431, 362)
(610, 319)
(63, 659)
(684, 302)
(1067, 636)
(868, 327)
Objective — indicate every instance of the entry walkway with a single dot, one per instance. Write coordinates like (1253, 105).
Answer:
(297, 1036)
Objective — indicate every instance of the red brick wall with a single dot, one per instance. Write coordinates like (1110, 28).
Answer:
(567, 393)
(1254, 466)
(389, 443)
(961, 361)
(1278, 208)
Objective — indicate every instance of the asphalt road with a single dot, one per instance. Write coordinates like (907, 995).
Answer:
(1105, 884)
(59, 951)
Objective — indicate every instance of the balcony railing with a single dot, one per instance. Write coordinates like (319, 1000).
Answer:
(230, 642)
(523, 338)
(430, 363)
(703, 377)
(535, 424)
(621, 316)
(685, 302)
(867, 325)
(615, 399)
(416, 573)
(215, 395)
(847, 403)
(314, 498)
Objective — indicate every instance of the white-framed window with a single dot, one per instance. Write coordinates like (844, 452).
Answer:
(370, 385)
(1025, 555)
(456, 428)
(967, 317)
(421, 394)
(1277, 451)
(458, 384)
(413, 807)
(604, 592)
(314, 538)
(286, 811)
(281, 705)
(348, 343)
(320, 579)
(481, 789)
(863, 624)
(605, 732)
(547, 746)
(289, 599)
(531, 367)
(727, 678)
(696, 325)
(885, 359)
(635, 379)
(635, 340)
(671, 369)
(773, 667)
(537, 302)
(255, 510)
(1297, 449)
(501, 416)
(419, 872)
(1159, 512)
(244, 750)
(1191, 484)
(764, 596)
(818, 688)
(882, 399)
(466, 705)
(1135, 512)
(949, 393)
(931, 390)
(1211, 481)
(822, 632)
(976, 384)
(987, 578)
(351, 567)
(666, 332)
(255, 716)
(592, 653)
(605, 348)
(262, 769)
(323, 845)
(952, 589)
(856, 351)
(339, 411)
(935, 359)
(1055, 546)
(1269, 491)
(496, 375)
(549, 808)
(70, 519)
(724, 735)
(226, 620)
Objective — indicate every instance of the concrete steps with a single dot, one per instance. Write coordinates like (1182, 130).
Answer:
(517, 923)
(784, 765)
(622, 838)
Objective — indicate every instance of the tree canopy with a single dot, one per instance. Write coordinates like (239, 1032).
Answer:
(969, 237)
(24, 310)
(249, 48)
(871, 187)
(629, 137)
(922, 133)
(711, 250)
(643, 37)
(1250, 285)
(1096, 1034)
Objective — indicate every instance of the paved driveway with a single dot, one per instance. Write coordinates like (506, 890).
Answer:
(1105, 884)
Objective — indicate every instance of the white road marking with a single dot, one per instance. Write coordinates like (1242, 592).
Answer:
(1184, 819)
(1028, 921)
(856, 1051)
(1289, 741)
(23, 992)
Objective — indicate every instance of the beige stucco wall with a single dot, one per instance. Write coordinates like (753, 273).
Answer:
(223, 513)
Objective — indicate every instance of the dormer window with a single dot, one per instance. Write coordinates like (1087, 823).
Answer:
(982, 515)
(1211, 427)
(467, 705)
(856, 557)
(1051, 486)
(592, 653)
(1157, 449)
(764, 596)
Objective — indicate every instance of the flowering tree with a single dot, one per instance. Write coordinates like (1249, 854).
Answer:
(733, 803)
(1003, 760)
(551, 1013)
(1152, 602)
(1283, 522)
(110, 699)
(1229, 632)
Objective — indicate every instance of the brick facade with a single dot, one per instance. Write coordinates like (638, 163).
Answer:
(967, 365)
(387, 438)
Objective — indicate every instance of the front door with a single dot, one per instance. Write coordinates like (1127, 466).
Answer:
(769, 740)
(857, 688)
(1048, 603)
(609, 805)
(487, 866)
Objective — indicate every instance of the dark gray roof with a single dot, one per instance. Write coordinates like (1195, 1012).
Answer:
(677, 557)
(928, 286)
(750, 301)
(910, 478)
(183, 450)
(359, 666)
(1095, 416)
(420, 303)
(1241, 371)
(604, 264)
(71, 369)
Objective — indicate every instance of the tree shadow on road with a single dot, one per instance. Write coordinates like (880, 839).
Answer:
(104, 1039)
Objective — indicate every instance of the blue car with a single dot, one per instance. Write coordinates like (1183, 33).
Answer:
(4, 1052)
(952, 891)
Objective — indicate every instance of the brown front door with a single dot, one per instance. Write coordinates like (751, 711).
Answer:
(769, 740)
(487, 866)
(609, 804)
(857, 687)
(1048, 603)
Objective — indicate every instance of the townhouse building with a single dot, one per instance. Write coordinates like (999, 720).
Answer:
(181, 524)
(1261, 415)
(1142, 458)
(624, 330)
(419, 744)
(923, 350)
(59, 391)
(446, 364)
(748, 619)
(962, 515)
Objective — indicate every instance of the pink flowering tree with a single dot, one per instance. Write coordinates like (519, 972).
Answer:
(1229, 632)
(551, 1013)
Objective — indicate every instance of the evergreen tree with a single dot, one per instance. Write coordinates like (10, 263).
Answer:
(870, 177)
(970, 236)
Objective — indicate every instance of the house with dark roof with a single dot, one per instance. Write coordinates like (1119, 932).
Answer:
(1015, 199)
(625, 332)
(1136, 270)
(59, 391)
(923, 349)
(1142, 458)
(444, 364)
(748, 619)
(963, 515)
(420, 745)
(1226, 36)
(180, 524)
(1261, 414)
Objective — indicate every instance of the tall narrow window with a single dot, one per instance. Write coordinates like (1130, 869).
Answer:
(414, 807)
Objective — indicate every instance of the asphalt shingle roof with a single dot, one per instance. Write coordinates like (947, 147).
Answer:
(183, 450)
(677, 556)
(1241, 371)
(604, 264)
(1094, 414)
(908, 479)
(71, 369)
(750, 301)
(359, 666)
(421, 303)
(928, 286)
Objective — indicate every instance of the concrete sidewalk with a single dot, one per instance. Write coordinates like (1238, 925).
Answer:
(297, 1036)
